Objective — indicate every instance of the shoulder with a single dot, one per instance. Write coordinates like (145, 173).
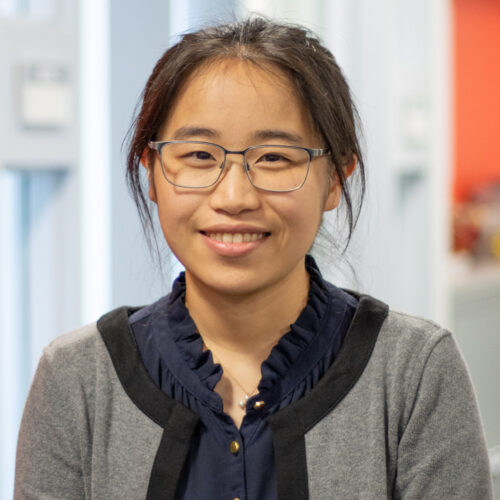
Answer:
(388, 333)
(75, 369)
(408, 406)
(408, 346)
(403, 354)
(63, 389)
(74, 349)
(415, 327)
(420, 368)
(418, 347)
(69, 370)
(78, 359)
(71, 342)
(404, 335)
(390, 361)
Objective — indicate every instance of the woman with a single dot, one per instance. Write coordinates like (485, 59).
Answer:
(254, 378)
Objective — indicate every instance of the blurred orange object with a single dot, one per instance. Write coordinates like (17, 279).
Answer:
(477, 96)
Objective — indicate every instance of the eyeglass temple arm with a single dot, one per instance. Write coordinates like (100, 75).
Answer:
(154, 145)
(318, 152)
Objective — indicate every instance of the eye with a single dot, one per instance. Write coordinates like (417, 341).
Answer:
(271, 158)
(197, 158)
(191, 155)
(201, 155)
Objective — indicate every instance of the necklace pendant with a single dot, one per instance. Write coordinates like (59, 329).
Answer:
(243, 403)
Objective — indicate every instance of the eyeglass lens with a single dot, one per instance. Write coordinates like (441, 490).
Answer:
(275, 168)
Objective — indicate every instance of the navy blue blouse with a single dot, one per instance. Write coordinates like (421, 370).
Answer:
(226, 462)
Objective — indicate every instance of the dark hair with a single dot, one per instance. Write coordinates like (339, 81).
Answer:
(298, 53)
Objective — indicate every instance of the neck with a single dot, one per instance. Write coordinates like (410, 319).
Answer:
(250, 323)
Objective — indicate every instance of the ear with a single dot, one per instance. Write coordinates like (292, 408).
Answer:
(148, 163)
(335, 192)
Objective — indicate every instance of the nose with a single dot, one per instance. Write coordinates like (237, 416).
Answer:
(234, 193)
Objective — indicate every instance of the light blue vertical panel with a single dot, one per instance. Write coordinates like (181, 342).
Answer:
(14, 364)
(31, 257)
(412, 211)
(94, 162)
(44, 247)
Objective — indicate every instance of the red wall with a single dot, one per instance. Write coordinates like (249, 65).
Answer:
(477, 94)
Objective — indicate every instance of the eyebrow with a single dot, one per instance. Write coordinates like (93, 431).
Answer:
(194, 131)
(272, 134)
(190, 131)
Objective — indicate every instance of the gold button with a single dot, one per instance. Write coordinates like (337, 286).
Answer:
(258, 405)
(236, 498)
(234, 447)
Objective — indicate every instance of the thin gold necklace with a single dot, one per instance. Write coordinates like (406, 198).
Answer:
(248, 394)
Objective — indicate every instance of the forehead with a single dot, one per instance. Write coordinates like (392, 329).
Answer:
(246, 72)
(239, 95)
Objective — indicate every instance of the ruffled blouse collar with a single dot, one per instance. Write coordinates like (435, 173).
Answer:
(301, 355)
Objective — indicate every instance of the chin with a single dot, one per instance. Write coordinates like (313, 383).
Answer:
(234, 282)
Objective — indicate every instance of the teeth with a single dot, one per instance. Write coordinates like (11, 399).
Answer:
(236, 237)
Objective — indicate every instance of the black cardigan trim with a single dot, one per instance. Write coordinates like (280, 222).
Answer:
(178, 422)
(288, 426)
(172, 454)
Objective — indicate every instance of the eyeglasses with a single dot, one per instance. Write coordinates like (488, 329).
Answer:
(198, 164)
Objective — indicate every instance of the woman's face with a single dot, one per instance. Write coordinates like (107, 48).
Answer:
(237, 105)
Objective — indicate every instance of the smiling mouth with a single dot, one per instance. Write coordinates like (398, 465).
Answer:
(236, 237)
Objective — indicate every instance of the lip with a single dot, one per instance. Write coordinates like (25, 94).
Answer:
(236, 228)
(230, 249)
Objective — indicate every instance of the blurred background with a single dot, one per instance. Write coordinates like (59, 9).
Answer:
(425, 75)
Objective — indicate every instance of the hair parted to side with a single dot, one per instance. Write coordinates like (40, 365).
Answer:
(298, 53)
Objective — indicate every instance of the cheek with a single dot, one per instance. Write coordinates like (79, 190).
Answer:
(303, 214)
(170, 214)
(176, 212)
(173, 223)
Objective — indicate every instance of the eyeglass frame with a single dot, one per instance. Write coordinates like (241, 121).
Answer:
(312, 152)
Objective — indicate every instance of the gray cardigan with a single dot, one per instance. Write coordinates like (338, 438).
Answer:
(394, 417)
